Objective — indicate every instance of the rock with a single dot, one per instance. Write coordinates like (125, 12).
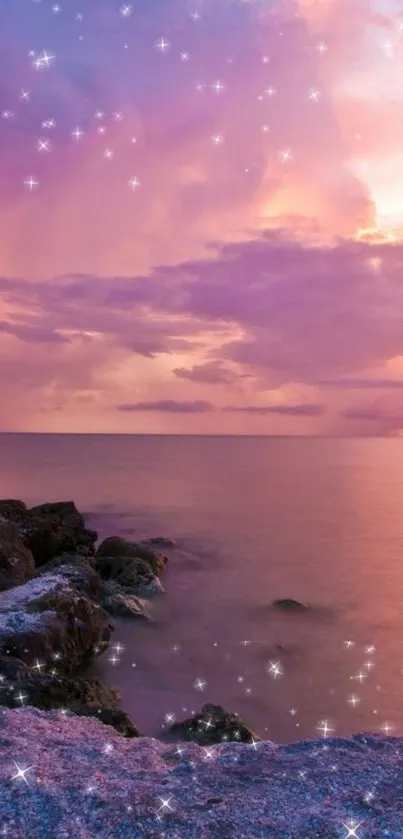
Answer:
(51, 615)
(80, 571)
(10, 507)
(49, 530)
(117, 547)
(132, 573)
(16, 561)
(213, 725)
(86, 781)
(47, 691)
(116, 601)
(114, 717)
(149, 590)
(159, 542)
(290, 605)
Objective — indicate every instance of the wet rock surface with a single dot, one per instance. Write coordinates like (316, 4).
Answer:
(53, 619)
(117, 548)
(17, 563)
(49, 530)
(99, 784)
(213, 725)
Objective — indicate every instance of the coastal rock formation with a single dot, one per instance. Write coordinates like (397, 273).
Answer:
(213, 725)
(25, 687)
(52, 620)
(117, 548)
(49, 530)
(131, 573)
(16, 561)
(83, 780)
(52, 614)
(116, 601)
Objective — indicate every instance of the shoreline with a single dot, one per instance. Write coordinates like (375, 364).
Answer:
(100, 785)
(58, 592)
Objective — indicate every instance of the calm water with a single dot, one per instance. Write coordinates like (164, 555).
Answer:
(320, 520)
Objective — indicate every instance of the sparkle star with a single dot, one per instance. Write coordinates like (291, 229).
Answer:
(285, 155)
(162, 45)
(352, 828)
(77, 133)
(43, 145)
(218, 87)
(274, 668)
(324, 727)
(165, 804)
(21, 773)
(134, 183)
(200, 684)
(31, 183)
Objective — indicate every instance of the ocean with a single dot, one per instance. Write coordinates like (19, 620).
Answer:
(319, 520)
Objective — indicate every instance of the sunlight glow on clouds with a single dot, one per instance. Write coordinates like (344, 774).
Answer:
(212, 219)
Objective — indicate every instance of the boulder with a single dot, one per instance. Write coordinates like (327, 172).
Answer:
(117, 547)
(213, 725)
(117, 601)
(132, 573)
(49, 530)
(16, 561)
(290, 605)
(51, 614)
(20, 685)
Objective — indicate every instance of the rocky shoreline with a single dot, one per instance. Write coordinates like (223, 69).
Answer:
(58, 595)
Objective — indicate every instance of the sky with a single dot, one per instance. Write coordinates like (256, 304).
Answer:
(201, 216)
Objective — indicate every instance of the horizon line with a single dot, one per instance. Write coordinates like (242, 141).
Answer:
(171, 434)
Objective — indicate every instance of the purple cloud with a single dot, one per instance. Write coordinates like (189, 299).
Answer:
(168, 405)
(33, 334)
(362, 384)
(287, 410)
(211, 372)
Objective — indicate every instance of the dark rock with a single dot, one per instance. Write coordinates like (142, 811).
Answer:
(52, 614)
(213, 725)
(116, 601)
(117, 547)
(112, 716)
(49, 530)
(20, 685)
(10, 507)
(16, 561)
(132, 573)
(12, 669)
(80, 571)
(290, 605)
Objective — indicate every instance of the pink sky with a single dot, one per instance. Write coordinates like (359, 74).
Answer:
(252, 281)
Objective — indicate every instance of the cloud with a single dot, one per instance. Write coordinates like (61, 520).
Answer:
(168, 406)
(33, 334)
(362, 384)
(211, 372)
(285, 410)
